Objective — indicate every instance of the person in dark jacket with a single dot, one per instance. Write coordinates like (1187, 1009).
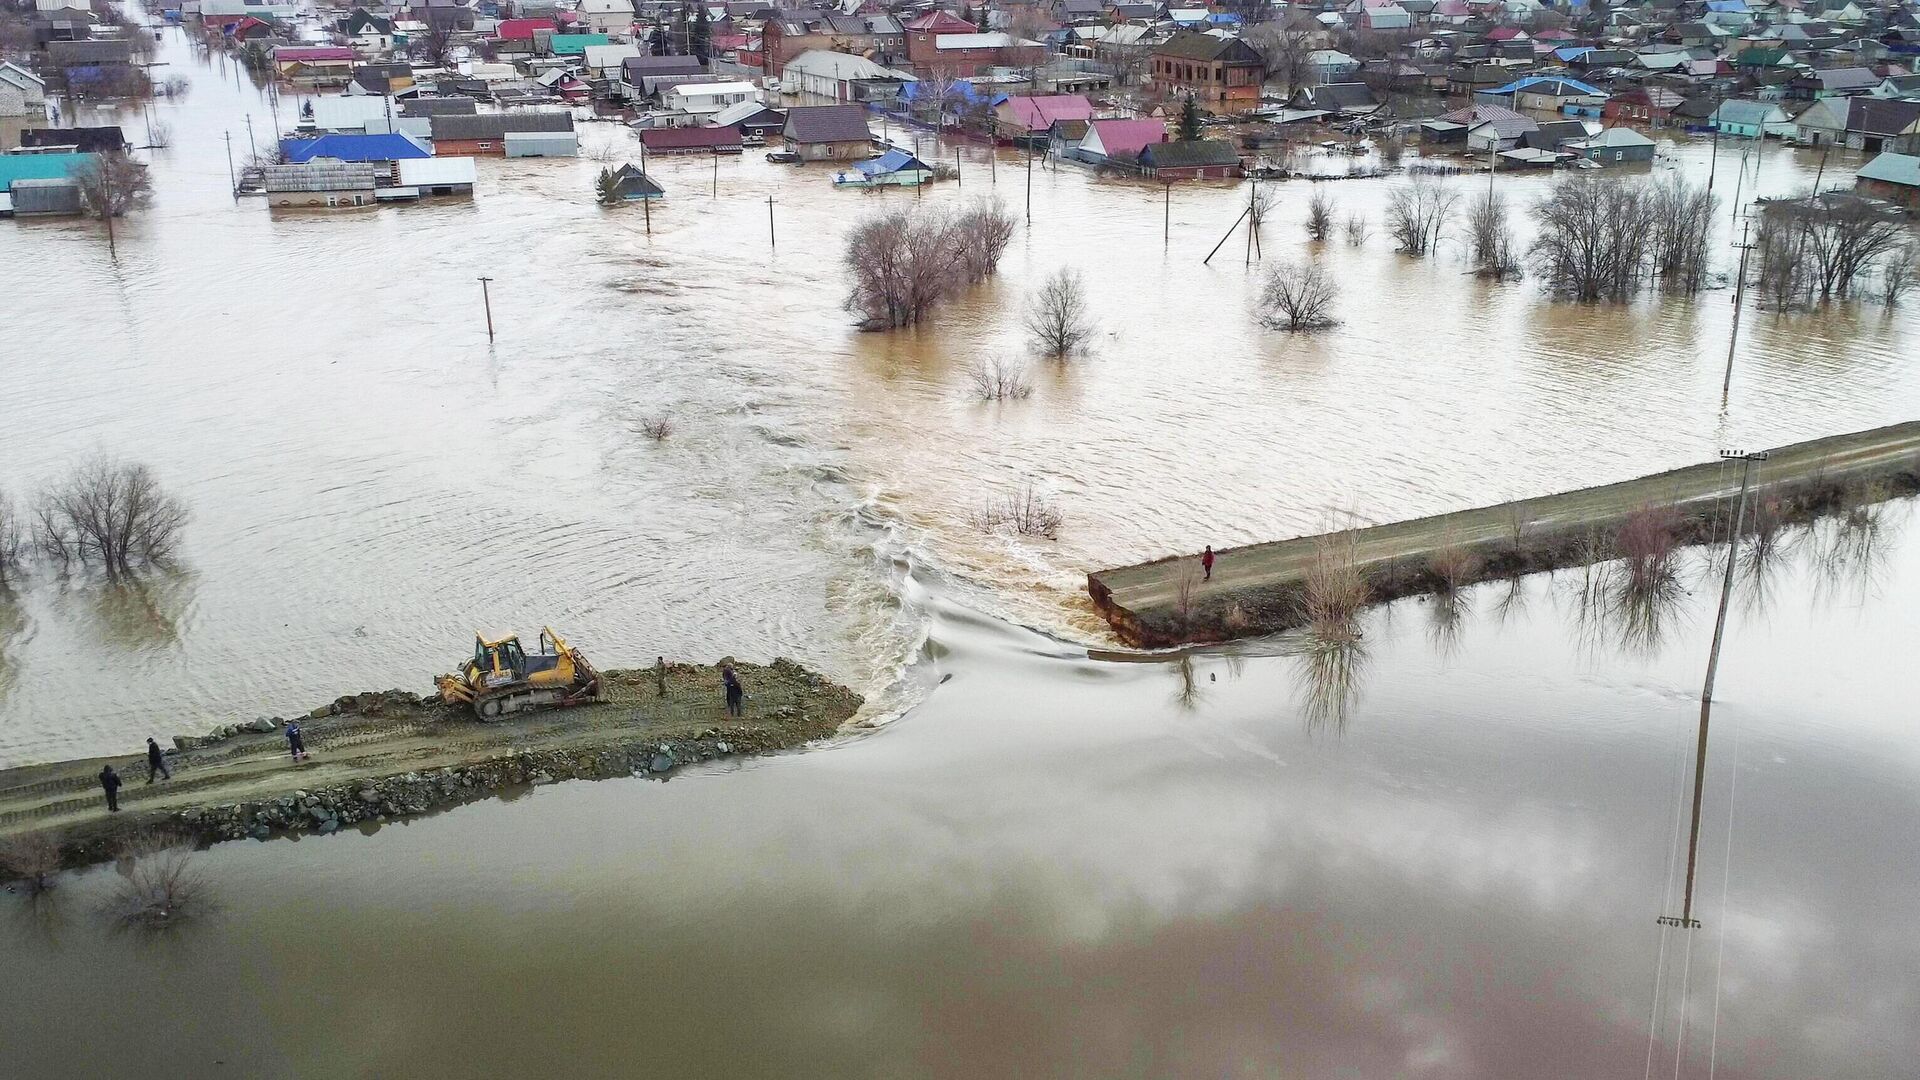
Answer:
(735, 693)
(110, 783)
(156, 761)
(296, 742)
(1206, 562)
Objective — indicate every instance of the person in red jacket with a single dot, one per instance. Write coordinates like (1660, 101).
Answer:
(1206, 562)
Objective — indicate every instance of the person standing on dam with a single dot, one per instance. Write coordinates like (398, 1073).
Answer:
(735, 692)
(110, 783)
(1206, 563)
(156, 762)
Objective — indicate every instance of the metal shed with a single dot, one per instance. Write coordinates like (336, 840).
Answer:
(542, 144)
(46, 197)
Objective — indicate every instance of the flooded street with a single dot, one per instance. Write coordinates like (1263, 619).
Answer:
(1065, 866)
(371, 480)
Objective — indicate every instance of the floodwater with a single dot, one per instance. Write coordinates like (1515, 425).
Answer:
(1446, 865)
(371, 480)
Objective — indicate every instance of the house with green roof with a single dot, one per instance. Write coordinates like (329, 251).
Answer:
(41, 167)
(575, 44)
(1750, 119)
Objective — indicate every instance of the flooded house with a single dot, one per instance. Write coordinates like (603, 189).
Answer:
(22, 93)
(828, 132)
(320, 184)
(691, 140)
(486, 133)
(18, 169)
(1193, 159)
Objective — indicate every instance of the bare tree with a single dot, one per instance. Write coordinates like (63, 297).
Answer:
(1491, 237)
(159, 886)
(1356, 229)
(1418, 212)
(33, 859)
(656, 427)
(1594, 239)
(1392, 149)
(1057, 316)
(1682, 222)
(1297, 296)
(981, 234)
(1285, 48)
(13, 540)
(1025, 512)
(998, 380)
(111, 186)
(112, 515)
(1897, 273)
(1320, 214)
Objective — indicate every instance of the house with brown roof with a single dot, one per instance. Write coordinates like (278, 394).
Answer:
(828, 132)
(1219, 72)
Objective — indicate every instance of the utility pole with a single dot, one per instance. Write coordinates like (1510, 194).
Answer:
(487, 300)
(1742, 179)
(957, 180)
(771, 242)
(716, 174)
(251, 149)
(646, 210)
(1166, 212)
(1253, 222)
(233, 185)
(1713, 159)
(1685, 919)
(1739, 295)
(1029, 185)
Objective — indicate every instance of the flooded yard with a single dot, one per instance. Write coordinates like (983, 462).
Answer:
(371, 480)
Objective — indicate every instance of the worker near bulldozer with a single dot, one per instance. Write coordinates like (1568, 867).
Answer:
(735, 693)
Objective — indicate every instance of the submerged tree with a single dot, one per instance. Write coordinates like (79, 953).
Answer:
(1057, 315)
(1320, 214)
(1418, 212)
(109, 514)
(1297, 297)
(1594, 238)
(111, 186)
(1821, 247)
(905, 262)
(1491, 237)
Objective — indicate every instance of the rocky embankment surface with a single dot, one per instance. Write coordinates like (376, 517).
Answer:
(390, 754)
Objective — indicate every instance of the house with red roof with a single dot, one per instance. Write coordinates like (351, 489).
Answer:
(1033, 115)
(315, 65)
(520, 29)
(248, 28)
(1118, 142)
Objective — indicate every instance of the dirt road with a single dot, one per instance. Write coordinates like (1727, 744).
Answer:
(248, 781)
(1255, 589)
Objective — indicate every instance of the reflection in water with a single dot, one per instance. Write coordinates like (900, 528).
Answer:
(13, 629)
(1446, 620)
(1186, 694)
(1850, 552)
(1330, 665)
(1617, 608)
(140, 612)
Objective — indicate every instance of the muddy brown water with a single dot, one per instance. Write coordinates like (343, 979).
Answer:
(371, 481)
(1447, 866)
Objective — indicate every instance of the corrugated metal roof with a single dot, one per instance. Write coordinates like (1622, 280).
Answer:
(318, 176)
(389, 146)
(59, 196)
(1902, 169)
(437, 171)
(498, 125)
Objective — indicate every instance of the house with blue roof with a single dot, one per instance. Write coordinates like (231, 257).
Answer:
(40, 172)
(895, 167)
(1547, 93)
(388, 146)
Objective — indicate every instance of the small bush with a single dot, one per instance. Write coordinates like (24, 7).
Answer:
(1025, 512)
(657, 428)
(159, 886)
(1646, 543)
(1336, 587)
(1453, 565)
(32, 859)
(998, 380)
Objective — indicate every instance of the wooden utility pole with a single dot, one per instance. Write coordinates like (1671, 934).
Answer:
(487, 300)
(1166, 211)
(1029, 185)
(233, 184)
(1685, 919)
(957, 180)
(1739, 295)
(771, 242)
(716, 174)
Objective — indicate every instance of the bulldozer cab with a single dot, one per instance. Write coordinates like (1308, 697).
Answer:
(505, 659)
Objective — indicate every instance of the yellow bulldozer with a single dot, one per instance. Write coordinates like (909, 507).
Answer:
(504, 678)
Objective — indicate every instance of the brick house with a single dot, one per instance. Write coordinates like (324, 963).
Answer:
(486, 133)
(1218, 72)
(879, 38)
(965, 55)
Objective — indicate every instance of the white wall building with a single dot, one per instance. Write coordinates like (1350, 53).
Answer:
(703, 100)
